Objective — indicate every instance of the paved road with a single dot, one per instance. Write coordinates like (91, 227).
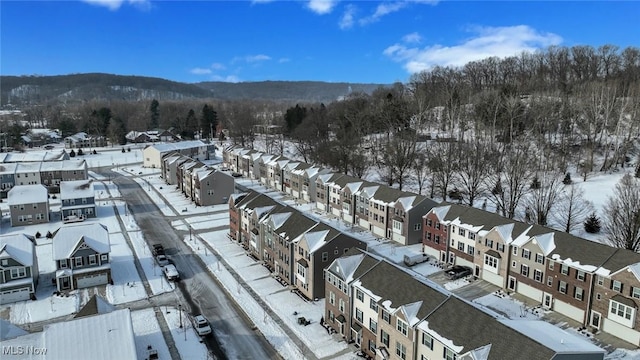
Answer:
(199, 292)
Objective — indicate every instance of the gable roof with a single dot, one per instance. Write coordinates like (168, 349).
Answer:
(182, 145)
(68, 237)
(96, 305)
(19, 247)
(76, 189)
(27, 194)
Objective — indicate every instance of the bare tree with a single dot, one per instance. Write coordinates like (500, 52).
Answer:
(473, 169)
(572, 208)
(622, 214)
(510, 179)
(443, 161)
(420, 170)
(543, 199)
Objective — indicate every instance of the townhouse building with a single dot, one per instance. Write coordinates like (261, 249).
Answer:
(28, 174)
(323, 190)
(196, 149)
(77, 200)
(249, 164)
(170, 163)
(18, 268)
(292, 178)
(52, 173)
(265, 177)
(340, 193)
(7, 178)
(28, 205)
(211, 187)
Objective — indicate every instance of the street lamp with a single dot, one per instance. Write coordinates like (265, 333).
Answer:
(180, 311)
(190, 239)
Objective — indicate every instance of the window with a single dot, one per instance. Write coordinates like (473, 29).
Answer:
(63, 264)
(460, 246)
(4, 262)
(448, 354)
(341, 305)
(515, 251)
(600, 280)
(524, 270)
(616, 286)
(488, 243)
(564, 269)
(325, 256)
(470, 250)
(621, 313)
(402, 327)
(359, 315)
(490, 261)
(386, 317)
(417, 226)
(104, 257)
(462, 232)
(539, 258)
(428, 236)
(551, 265)
(537, 275)
(472, 236)
(17, 273)
(401, 350)
(437, 239)
(578, 293)
(514, 263)
(562, 287)
(635, 292)
(549, 280)
(373, 326)
(384, 338)
(526, 254)
(78, 261)
(372, 346)
(359, 295)
(580, 275)
(92, 260)
(373, 305)
(429, 223)
(500, 247)
(427, 341)
(438, 225)
(332, 298)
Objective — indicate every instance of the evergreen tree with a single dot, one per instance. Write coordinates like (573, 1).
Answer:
(294, 116)
(155, 114)
(567, 179)
(190, 125)
(72, 153)
(592, 224)
(208, 121)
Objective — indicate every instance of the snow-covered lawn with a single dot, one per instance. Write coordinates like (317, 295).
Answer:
(147, 333)
(187, 341)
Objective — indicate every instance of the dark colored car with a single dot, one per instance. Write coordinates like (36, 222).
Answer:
(158, 250)
(458, 272)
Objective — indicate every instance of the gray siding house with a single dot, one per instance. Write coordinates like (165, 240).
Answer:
(18, 268)
(78, 200)
(28, 204)
(7, 178)
(211, 187)
(81, 253)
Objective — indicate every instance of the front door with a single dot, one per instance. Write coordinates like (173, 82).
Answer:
(65, 283)
(547, 301)
(512, 283)
(595, 319)
(477, 273)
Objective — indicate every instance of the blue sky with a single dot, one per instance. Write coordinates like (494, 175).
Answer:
(323, 40)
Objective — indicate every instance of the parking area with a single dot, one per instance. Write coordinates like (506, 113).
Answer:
(467, 288)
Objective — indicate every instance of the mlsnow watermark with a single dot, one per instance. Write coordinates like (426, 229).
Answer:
(24, 350)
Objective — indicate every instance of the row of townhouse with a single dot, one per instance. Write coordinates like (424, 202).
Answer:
(81, 253)
(202, 184)
(47, 173)
(196, 149)
(390, 314)
(589, 282)
(380, 209)
(294, 247)
(566, 274)
(29, 204)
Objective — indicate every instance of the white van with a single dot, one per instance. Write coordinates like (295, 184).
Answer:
(413, 259)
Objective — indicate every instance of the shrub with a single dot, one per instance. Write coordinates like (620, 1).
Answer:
(567, 179)
(38, 235)
(72, 153)
(49, 235)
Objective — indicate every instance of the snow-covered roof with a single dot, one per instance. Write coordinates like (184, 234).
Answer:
(67, 238)
(76, 189)
(552, 336)
(10, 331)
(8, 168)
(179, 145)
(107, 336)
(410, 312)
(28, 167)
(315, 239)
(441, 211)
(64, 165)
(346, 266)
(279, 219)
(407, 202)
(17, 247)
(27, 194)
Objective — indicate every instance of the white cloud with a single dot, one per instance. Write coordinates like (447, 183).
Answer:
(488, 41)
(412, 38)
(257, 58)
(321, 7)
(382, 10)
(347, 19)
(218, 66)
(114, 5)
(200, 71)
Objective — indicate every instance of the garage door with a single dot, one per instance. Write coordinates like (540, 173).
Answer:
(92, 280)
(14, 295)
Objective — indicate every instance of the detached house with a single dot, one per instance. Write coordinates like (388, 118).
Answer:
(18, 268)
(7, 178)
(28, 205)
(81, 253)
(78, 200)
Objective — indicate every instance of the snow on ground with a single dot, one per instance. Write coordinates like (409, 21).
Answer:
(147, 332)
(127, 285)
(152, 271)
(47, 306)
(187, 341)
(209, 222)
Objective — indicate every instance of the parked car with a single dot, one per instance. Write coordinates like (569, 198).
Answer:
(413, 259)
(458, 271)
(157, 249)
(162, 260)
(201, 325)
(171, 273)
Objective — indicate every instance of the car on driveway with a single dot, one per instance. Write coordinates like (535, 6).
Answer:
(201, 325)
(457, 272)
